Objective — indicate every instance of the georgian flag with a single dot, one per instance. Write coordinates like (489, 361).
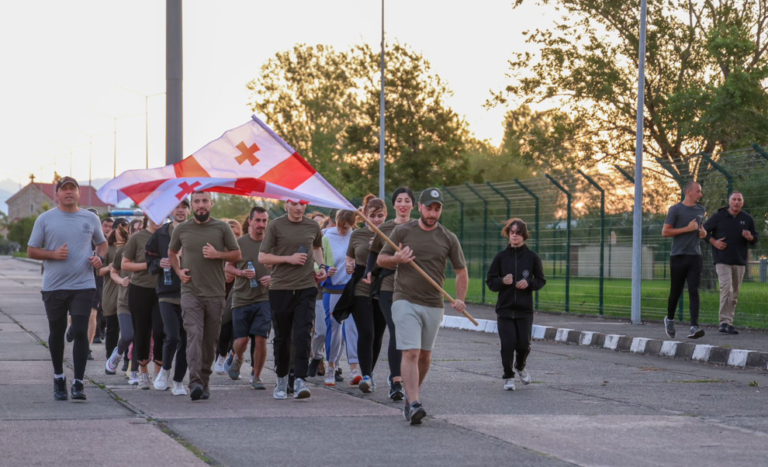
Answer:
(250, 160)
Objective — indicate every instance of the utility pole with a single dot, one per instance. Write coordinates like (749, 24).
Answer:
(381, 117)
(173, 83)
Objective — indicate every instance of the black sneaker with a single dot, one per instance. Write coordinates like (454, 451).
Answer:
(396, 392)
(696, 333)
(125, 365)
(407, 410)
(90, 354)
(97, 339)
(69, 335)
(723, 328)
(732, 330)
(312, 370)
(669, 327)
(417, 412)
(77, 391)
(197, 392)
(60, 389)
(206, 394)
(338, 376)
(291, 381)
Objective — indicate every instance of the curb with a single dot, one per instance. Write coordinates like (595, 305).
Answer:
(640, 345)
(31, 261)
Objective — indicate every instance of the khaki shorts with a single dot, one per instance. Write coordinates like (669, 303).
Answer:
(416, 326)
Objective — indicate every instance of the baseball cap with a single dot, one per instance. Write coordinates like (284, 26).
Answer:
(64, 180)
(431, 196)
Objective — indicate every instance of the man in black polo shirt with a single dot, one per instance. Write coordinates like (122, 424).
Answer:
(730, 230)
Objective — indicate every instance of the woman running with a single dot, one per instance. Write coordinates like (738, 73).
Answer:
(383, 286)
(122, 279)
(370, 322)
(515, 274)
(109, 296)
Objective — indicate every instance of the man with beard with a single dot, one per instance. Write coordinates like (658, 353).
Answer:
(63, 238)
(293, 291)
(251, 315)
(417, 309)
(169, 298)
(207, 244)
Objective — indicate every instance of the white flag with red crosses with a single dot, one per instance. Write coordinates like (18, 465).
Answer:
(250, 160)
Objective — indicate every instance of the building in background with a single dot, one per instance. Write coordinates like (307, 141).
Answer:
(31, 198)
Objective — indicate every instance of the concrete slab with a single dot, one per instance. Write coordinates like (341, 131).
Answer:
(35, 402)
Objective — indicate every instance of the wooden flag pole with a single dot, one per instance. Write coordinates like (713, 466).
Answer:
(413, 263)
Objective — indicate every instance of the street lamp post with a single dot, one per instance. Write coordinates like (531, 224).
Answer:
(115, 118)
(146, 116)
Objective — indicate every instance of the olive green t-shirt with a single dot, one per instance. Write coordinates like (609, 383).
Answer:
(432, 250)
(122, 292)
(109, 295)
(207, 274)
(242, 293)
(359, 246)
(284, 238)
(388, 284)
(135, 251)
(173, 300)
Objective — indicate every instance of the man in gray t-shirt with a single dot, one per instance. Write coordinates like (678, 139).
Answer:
(63, 238)
(684, 224)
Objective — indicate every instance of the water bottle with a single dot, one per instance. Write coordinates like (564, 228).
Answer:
(254, 281)
(167, 276)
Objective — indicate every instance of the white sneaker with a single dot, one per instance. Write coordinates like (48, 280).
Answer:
(330, 376)
(281, 388)
(219, 367)
(112, 362)
(161, 382)
(178, 389)
(356, 378)
(524, 376)
(133, 379)
(509, 385)
(144, 382)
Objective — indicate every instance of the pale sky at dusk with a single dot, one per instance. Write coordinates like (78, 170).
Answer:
(63, 62)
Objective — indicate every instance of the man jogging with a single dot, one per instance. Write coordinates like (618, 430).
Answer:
(684, 224)
(63, 238)
(730, 230)
(287, 244)
(207, 244)
(417, 309)
(251, 315)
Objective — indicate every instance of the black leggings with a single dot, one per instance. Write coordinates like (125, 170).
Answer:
(227, 330)
(147, 322)
(395, 356)
(682, 269)
(112, 334)
(515, 336)
(175, 342)
(371, 325)
(293, 315)
(58, 329)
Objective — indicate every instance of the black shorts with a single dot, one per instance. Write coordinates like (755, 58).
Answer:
(252, 320)
(76, 302)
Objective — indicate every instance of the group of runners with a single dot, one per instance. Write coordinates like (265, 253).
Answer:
(318, 289)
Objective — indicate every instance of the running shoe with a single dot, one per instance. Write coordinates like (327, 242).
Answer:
(389, 381)
(90, 355)
(723, 328)
(144, 382)
(125, 365)
(112, 362)
(396, 392)
(313, 365)
(669, 327)
(365, 385)
(197, 392)
(356, 378)
(300, 390)
(178, 389)
(70, 337)
(291, 382)
(257, 383)
(233, 369)
(524, 376)
(161, 382)
(407, 410)
(330, 377)
(337, 376)
(78, 393)
(133, 378)
(97, 339)
(60, 389)
(219, 367)
(281, 388)
(509, 385)
(695, 333)
(416, 413)
(206, 394)
(732, 330)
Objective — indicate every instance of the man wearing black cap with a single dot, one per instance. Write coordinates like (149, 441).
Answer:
(417, 310)
(63, 238)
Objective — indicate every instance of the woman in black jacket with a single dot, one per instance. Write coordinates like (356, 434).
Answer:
(515, 274)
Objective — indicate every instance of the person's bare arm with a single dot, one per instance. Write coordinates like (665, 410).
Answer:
(268, 259)
(59, 254)
(105, 270)
(231, 256)
(232, 270)
(173, 257)
(115, 276)
(669, 231)
(405, 255)
(130, 266)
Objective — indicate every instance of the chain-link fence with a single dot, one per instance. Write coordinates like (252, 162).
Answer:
(581, 226)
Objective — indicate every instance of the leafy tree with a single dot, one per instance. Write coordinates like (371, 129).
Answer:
(21, 230)
(706, 63)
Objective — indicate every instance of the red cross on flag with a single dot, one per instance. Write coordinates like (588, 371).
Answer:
(250, 160)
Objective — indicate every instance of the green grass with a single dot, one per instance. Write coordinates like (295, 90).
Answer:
(584, 299)
(20, 254)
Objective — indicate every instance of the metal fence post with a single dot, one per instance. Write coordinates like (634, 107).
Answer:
(626, 174)
(461, 212)
(760, 150)
(504, 197)
(567, 242)
(719, 168)
(536, 227)
(485, 238)
(602, 236)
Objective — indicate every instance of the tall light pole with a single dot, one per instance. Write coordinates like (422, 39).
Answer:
(90, 161)
(381, 117)
(174, 74)
(637, 222)
(146, 116)
(115, 118)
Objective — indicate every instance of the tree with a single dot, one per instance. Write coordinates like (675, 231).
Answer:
(706, 62)
(21, 230)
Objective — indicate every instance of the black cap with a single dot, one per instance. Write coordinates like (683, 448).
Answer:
(431, 196)
(64, 180)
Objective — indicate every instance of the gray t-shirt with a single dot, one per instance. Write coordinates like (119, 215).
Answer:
(79, 231)
(680, 216)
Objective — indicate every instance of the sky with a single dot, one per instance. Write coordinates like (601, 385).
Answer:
(68, 68)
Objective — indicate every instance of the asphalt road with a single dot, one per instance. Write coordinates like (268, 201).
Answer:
(585, 407)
